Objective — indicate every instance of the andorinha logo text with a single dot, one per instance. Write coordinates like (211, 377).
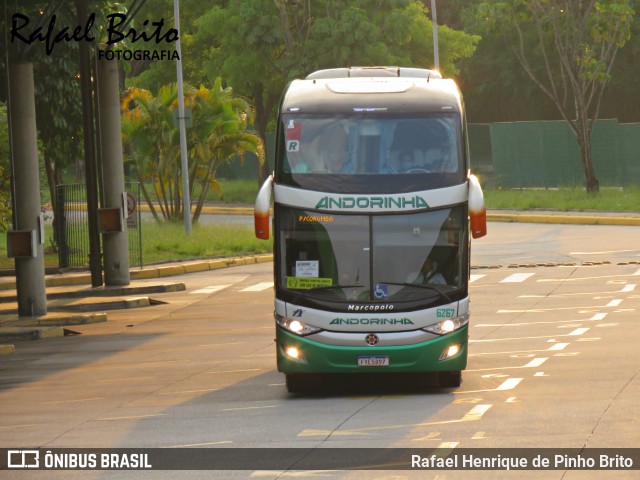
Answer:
(51, 34)
(372, 202)
(371, 321)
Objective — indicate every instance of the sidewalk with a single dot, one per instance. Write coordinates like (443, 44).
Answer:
(72, 301)
(558, 217)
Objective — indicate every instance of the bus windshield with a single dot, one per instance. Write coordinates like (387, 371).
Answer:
(373, 258)
(371, 150)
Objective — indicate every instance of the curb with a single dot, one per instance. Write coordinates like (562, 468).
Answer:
(30, 333)
(53, 320)
(120, 304)
(70, 279)
(562, 219)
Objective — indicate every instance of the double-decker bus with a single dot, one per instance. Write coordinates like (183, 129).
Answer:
(373, 206)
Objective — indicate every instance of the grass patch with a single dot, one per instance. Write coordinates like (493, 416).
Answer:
(166, 242)
(162, 242)
(565, 199)
(236, 191)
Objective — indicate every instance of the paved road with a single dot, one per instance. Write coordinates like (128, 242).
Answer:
(553, 363)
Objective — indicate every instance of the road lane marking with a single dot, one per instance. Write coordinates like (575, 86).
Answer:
(536, 362)
(58, 402)
(521, 324)
(209, 290)
(185, 392)
(580, 279)
(542, 310)
(133, 417)
(517, 278)
(258, 287)
(445, 448)
(122, 379)
(248, 408)
(614, 303)
(491, 340)
(429, 436)
(579, 331)
(558, 346)
(603, 252)
(475, 277)
(508, 384)
(236, 371)
(598, 316)
(626, 289)
(507, 353)
(26, 425)
(294, 474)
(200, 444)
(474, 414)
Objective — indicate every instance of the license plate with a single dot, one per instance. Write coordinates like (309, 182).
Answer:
(373, 361)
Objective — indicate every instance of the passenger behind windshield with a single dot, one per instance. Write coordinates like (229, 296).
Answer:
(316, 146)
(371, 146)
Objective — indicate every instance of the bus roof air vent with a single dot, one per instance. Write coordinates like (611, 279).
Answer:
(369, 86)
(351, 72)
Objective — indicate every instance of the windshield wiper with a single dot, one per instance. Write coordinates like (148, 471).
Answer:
(333, 287)
(425, 286)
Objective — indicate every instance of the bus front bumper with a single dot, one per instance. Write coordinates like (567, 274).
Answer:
(314, 357)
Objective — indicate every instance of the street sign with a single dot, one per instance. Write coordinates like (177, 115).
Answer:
(132, 213)
(188, 118)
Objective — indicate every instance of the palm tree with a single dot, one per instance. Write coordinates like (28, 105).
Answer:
(219, 134)
(153, 144)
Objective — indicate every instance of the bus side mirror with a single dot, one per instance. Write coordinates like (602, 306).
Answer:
(477, 209)
(261, 209)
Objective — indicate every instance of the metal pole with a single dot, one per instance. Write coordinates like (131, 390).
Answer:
(186, 201)
(30, 280)
(434, 21)
(91, 180)
(115, 244)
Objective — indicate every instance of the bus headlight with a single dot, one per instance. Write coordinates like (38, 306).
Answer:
(294, 353)
(448, 325)
(296, 326)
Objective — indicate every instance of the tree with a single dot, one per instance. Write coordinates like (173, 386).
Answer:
(567, 47)
(5, 170)
(150, 142)
(219, 134)
(260, 45)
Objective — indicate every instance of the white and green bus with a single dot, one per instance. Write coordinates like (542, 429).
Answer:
(373, 206)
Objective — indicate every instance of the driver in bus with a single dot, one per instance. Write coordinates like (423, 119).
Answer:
(409, 162)
(406, 161)
(429, 274)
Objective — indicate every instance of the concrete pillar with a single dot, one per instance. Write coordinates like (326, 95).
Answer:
(30, 281)
(115, 245)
